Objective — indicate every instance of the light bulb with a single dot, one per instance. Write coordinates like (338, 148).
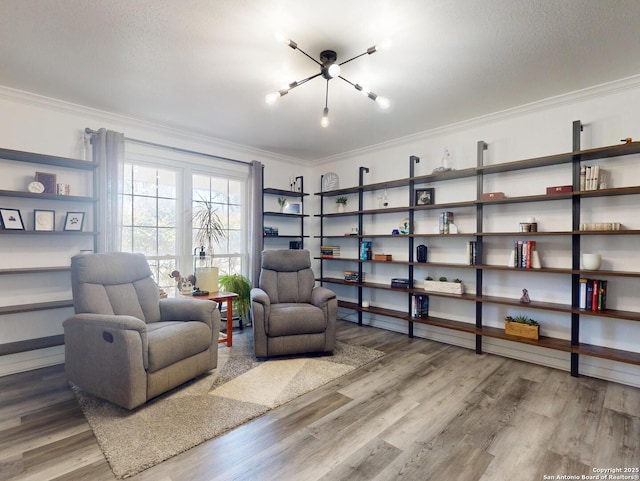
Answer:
(325, 118)
(383, 102)
(271, 98)
(334, 70)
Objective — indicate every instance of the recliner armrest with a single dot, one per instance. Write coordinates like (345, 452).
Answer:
(260, 296)
(180, 309)
(321, 295)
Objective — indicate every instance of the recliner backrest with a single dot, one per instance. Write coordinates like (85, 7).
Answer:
(117, 283)
(286, 275)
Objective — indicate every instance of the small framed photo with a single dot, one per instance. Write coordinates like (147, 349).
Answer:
(292, 208)
(11, 219)
(44, 220)
(49, 182)
(425, 196)
(74, 221)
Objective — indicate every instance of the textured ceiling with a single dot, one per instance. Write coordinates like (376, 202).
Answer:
(205, 65)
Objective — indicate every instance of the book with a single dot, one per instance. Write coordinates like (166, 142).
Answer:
(582, 293)
(602, 295)
(583, 177)
(594, 295)
(589, 300)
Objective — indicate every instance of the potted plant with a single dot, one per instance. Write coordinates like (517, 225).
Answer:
(341, 202)
(443, 285)
(209, 230)
(522, 326)
(240, 285)
(282, 201)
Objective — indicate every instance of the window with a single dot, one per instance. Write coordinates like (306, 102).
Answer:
(149, 218)
(159, 196)
(224, 197)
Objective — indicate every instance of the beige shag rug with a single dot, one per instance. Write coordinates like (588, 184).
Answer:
(240, 389)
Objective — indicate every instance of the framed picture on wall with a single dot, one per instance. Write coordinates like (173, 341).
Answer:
(48, 180)
(11, 219)
(292, 208)
(425, 196)
(74, 221)
(44, 220)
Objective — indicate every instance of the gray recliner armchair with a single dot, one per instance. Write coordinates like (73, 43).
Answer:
(125, 344)
(290, 314)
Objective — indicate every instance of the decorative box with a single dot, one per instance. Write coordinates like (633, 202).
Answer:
(382, 257)
(400, 283)
(492, 195)
(520, 329)
(446, 287)
(559, 189)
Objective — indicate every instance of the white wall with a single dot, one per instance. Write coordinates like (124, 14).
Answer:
(35, 124)
(609, 113)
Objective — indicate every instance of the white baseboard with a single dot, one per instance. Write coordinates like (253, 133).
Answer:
(30, 360)
(622, 373)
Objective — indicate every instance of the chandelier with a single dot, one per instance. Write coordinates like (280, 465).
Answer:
(329, 69)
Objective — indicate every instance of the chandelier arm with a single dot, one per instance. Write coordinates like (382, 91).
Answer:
(348, 81)
(305, 53)
(326, 96)
(353, 58)
(293, 85)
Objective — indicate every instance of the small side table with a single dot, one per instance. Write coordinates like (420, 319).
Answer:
(221, 297)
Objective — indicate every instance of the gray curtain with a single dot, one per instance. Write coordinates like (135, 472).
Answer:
(108, 152)
(256, 240)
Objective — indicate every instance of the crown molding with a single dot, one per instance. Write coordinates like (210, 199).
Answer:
(588, 93)
(155, 129)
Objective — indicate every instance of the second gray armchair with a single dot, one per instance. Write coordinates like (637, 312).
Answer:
(290, 314)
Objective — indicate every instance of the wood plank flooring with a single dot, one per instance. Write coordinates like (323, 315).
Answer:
(426, 411)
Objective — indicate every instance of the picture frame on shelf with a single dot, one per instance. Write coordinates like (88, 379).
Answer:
(292, 208)
(11, 219)
(44, 220)
(74, 221)
(49, 182)
(425, 196)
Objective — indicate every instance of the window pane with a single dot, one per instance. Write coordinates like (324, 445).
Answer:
(167, 242)
(166, 213)
(235, 192)
(144, 180)
(144, 211)
(166, 183)
(145, 240)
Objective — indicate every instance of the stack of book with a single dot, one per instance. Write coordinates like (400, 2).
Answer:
(420, 306)
(270, 231)
(446, 219)
(600, 226)
(352, 276)
(472, 253)
(329, 251)
(590, 177)
(593, 295)
(523, 251)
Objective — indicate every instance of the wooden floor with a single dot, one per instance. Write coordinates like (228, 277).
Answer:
(426, 411)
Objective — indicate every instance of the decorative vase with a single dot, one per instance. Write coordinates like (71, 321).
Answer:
(340, 208)
(207, 278)
(591, 262)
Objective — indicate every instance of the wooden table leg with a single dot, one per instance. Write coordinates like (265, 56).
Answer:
(229, 322)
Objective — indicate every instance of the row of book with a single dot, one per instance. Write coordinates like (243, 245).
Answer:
(590, 177)
(446, 219)
(353, 276)
(420, 306)
(592, 294)
(523, 253)
(472, 253)
(600, 226)
(329, 251)
(270, 231)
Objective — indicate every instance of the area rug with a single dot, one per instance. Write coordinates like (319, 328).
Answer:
(240, 389)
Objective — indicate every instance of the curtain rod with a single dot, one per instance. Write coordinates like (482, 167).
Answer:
(176, 149)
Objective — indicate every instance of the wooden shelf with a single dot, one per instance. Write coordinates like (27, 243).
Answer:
(43, 196)
(46, 232)
(36, 306)
(285, 214)
(34, 270)
(34, 158)
(283, 192)
(31, 344)
(572, 205)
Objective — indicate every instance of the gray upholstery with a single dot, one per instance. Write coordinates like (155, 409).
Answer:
(125, 344)
(290, 314)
